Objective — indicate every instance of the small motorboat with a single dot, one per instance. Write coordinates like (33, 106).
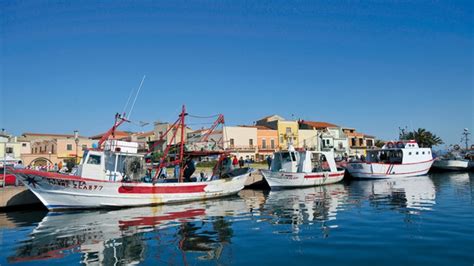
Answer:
(293, 168)
(450, 162)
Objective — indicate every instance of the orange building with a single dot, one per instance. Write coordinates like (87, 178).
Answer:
(267, 142)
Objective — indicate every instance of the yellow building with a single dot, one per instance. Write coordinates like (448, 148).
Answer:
(287, 129)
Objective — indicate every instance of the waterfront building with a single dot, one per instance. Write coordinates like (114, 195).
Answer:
(287, 129)
(160, 129)
(10, 149)
(267, 142)
(240, 141)
(331, 136)
(143, 139)
(308, 139)
(358, 142)
(59, 148)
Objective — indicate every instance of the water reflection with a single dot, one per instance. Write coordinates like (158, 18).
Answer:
(208, 231)
(404, 194)
(311, 205)
(119, 236)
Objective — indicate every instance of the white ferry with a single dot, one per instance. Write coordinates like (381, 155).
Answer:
(394, 159)
(293, 168)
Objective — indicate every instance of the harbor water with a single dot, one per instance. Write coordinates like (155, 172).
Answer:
(426, 220)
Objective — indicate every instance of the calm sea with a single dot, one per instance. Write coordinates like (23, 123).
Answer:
(427, 220)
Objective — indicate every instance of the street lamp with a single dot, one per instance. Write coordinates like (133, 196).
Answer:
(76, 140)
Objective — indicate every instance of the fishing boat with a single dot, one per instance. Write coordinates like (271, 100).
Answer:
(454, 160)
(293, 168)
(115, 175)
(451, 164)
(394, 159)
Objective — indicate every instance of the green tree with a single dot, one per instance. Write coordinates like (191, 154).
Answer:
(423, 137)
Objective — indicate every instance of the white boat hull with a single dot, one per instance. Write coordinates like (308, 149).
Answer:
(288, 179)
(385, 170)
(57, 191)
(451, 165)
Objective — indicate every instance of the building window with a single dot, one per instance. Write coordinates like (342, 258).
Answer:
(370, 143)
(36, 150)
(409, 153)
(23, 144)
(429, 152)
(423, 152)
(361, 142)
(251, 142)
(231, 142)
(288, 130)
(272, 143)
(52, 148)
(264, 143)
(69, 147)
(282, 140)
(9, 150)
(304, 143)
(84, 147)
(416, 153)
(353, 142)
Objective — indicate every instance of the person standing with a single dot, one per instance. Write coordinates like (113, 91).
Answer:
(269, 162)
(235, 162)
(241, 162)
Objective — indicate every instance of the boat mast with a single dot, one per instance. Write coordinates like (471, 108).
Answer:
(181, 152)
(465, 137)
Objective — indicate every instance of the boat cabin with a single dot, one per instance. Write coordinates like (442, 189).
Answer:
(399, 153)
(114, 163)
(303, 161)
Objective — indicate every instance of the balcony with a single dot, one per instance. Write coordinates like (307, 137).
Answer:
(267, 148)
(241, 148)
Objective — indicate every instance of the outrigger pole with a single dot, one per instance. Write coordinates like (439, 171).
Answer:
(119, 119)
(178, 123)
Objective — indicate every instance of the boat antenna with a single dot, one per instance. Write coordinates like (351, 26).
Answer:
(128, 101)
(136, 96)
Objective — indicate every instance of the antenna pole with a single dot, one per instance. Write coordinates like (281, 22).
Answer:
(136, 96)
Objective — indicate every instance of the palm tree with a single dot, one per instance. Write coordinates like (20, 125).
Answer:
(423, 137)
(379, 143)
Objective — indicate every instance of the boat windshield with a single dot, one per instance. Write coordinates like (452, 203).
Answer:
(385, 156)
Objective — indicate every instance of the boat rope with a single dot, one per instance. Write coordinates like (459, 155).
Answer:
(197, 116)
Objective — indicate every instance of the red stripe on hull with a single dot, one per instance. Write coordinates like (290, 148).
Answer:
(321, 176)
(161, 189)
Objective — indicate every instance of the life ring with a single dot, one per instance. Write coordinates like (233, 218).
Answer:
(400, 144)
(390, 144)
(456, 147)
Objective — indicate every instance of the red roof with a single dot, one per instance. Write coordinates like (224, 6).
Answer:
(258, 127)
(146, 134)
(118, 135)
(49, 135)
(317, 125)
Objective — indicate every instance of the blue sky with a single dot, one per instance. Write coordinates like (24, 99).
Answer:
(375, 65)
